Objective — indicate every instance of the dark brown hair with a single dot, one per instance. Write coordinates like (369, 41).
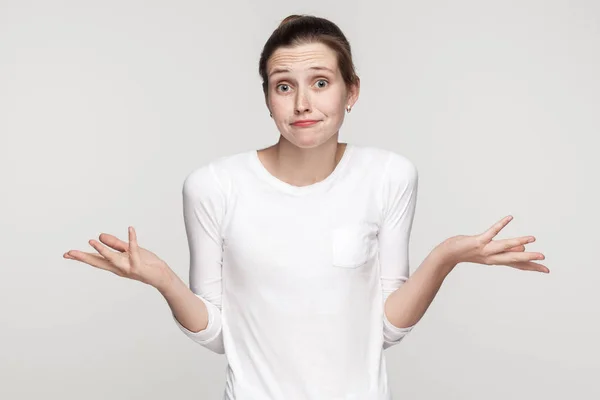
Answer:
(303, 29)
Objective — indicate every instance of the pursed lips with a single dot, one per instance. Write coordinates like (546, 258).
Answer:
(306, 122)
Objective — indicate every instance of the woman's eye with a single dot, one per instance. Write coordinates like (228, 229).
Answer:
(282, 87)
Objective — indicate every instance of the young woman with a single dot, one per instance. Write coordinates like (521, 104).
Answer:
(299, 267)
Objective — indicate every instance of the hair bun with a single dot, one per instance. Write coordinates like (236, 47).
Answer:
(289, 19)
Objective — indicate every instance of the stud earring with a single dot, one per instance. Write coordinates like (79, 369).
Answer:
(348, 109)
(271, 115)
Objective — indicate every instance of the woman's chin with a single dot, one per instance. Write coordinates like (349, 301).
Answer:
(309, 141)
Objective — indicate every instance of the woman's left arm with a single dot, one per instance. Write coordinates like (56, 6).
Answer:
(407, 304)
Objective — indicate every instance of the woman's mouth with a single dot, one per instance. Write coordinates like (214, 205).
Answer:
(306, 122)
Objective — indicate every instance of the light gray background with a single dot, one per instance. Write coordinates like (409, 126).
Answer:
(106, 106)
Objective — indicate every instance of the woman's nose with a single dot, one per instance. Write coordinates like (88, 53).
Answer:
(302, 103)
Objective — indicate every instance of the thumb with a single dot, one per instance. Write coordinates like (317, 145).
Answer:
(134, 250)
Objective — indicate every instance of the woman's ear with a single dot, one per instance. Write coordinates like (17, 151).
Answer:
(267, 103)
(353, 93)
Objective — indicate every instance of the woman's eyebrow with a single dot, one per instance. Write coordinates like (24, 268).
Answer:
(281, 70)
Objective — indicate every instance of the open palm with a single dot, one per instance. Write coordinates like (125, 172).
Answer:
(125, 259)
(482, 249)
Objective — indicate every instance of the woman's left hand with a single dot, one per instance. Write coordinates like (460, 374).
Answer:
(481, 249)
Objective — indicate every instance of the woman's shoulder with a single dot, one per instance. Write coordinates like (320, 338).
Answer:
(216, 173)
(390, 160)
(392, 171)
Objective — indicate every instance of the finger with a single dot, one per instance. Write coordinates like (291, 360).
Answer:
(94, 260)
(496, 228)
(134, 250)
(500, 246)
(83, 256)
(515, 257)
(517, 248)
(104, 251)
(114, 242)
(531, 266)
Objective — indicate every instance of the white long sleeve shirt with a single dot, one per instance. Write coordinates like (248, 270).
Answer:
(295, 278)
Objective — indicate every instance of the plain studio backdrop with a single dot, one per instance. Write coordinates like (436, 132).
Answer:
(106, 106)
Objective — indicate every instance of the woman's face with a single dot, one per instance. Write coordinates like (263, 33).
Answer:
(304, 83)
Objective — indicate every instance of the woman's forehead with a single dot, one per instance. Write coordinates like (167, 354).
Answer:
(305, 56)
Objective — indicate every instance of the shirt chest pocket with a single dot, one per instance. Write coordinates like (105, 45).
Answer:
(353, 245)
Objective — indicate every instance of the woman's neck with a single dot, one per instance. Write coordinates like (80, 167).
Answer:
(302, 167)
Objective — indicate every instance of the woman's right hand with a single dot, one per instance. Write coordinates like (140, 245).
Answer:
(129, 260)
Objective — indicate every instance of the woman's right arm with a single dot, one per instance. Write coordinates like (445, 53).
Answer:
(186, 307)
(191, 313)
(197, 309)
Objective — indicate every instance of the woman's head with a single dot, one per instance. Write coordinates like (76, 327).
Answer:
(308, 73)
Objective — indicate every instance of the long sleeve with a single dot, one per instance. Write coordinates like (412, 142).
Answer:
(399, 200)
(204, 207)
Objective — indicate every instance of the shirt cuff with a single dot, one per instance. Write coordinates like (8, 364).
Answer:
(212, 330)
(393, 334)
